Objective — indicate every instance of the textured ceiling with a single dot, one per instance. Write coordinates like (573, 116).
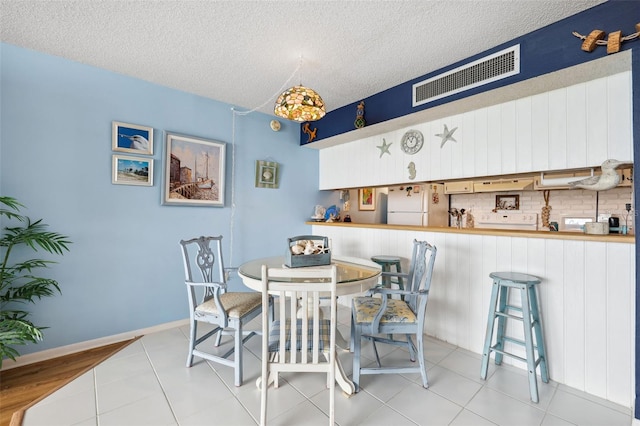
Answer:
(245, 52)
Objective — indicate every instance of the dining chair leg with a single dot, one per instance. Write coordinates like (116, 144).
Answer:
(192, 342)
(423, 368)
(412, 353)
(238, 355)
(351, 339)
(356, 358)
(263, 390)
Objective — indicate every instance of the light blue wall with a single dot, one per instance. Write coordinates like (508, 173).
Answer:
(124, 270)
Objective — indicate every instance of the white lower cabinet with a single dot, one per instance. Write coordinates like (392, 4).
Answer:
(586, 297)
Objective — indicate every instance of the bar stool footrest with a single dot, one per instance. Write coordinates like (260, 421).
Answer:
(494, 348)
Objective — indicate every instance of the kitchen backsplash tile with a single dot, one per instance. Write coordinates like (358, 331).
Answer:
(577, 202)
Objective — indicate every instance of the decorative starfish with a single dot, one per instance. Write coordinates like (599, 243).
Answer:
(447, 135)
(384, 148)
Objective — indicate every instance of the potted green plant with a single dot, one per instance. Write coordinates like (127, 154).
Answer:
(18, 284)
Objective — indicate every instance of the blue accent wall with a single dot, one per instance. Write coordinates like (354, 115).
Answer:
(124, 271)
(543, 51)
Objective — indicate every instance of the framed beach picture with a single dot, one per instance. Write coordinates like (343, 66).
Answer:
(193, 171)
(131, 138)
(366, 199)
(129, 170)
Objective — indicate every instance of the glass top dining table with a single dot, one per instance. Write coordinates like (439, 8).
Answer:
(355, 275)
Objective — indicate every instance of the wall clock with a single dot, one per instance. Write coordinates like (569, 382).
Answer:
(412, 142)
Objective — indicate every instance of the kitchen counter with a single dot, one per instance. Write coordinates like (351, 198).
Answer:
(611, 238)
(587, 293)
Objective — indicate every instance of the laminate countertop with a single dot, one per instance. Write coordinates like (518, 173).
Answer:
(612, 238)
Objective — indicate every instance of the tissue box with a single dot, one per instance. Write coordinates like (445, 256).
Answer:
(323, 257)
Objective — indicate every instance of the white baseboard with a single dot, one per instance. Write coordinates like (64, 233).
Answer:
(89, 344)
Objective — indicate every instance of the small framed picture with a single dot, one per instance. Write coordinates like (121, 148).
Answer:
(131, 138)
(267, 175)
(194, 170)
(366, 199)
(129, 170)
(507, 202)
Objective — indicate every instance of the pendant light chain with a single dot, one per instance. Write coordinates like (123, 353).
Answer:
(235, 113)
(275, 95)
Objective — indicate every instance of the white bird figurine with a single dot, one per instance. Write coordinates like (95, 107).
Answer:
(607, 180)
(138, 142)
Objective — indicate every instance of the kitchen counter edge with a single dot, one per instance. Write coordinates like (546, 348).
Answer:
(609, 238)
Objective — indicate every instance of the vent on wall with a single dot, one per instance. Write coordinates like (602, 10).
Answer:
(482, 71)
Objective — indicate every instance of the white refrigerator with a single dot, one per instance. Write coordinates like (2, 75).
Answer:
(418, 205)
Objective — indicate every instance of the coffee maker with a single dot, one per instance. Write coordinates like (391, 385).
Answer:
(614, 225)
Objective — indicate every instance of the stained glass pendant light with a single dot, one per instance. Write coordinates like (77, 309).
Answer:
(300, 103)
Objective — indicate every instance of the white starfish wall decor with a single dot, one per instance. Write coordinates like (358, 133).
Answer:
(447, 135)
(384, 148)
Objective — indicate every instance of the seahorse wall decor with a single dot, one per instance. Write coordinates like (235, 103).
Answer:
(596, 38)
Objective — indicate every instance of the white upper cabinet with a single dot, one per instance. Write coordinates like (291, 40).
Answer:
(573, 127)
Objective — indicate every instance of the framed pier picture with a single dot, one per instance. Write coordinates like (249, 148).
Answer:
(193, 171)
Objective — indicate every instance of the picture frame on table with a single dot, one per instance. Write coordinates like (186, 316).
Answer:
(507, 202)
(366, 199)
(194, 171)
(131, 138)
(130, 170)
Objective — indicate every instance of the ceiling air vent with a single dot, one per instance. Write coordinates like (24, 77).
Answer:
(485, 70)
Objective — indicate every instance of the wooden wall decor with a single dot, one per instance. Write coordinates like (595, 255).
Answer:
(308, 131)
(596, 38)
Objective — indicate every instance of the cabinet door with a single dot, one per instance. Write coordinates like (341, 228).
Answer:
(462, 187)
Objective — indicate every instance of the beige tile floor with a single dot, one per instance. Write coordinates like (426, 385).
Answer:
(147, 383)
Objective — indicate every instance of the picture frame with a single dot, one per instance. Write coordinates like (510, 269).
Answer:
(366, 199)
(267, 174)
(130, 170)
(194, 171)
(507, 202)
(131, 138)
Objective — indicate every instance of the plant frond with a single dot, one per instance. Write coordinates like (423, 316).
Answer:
(28, 265)
(35, 234)
(37, 287)
(16, 332)
(12, 204)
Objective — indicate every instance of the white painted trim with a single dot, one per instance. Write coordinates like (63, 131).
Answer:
(89, 344)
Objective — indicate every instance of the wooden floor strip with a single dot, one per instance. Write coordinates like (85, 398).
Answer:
(22, 387)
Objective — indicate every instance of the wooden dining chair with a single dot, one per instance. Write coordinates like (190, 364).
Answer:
(227, 311)
(299, 338)
(384, 319)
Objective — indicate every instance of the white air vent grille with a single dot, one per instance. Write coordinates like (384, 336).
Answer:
(485, 70)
